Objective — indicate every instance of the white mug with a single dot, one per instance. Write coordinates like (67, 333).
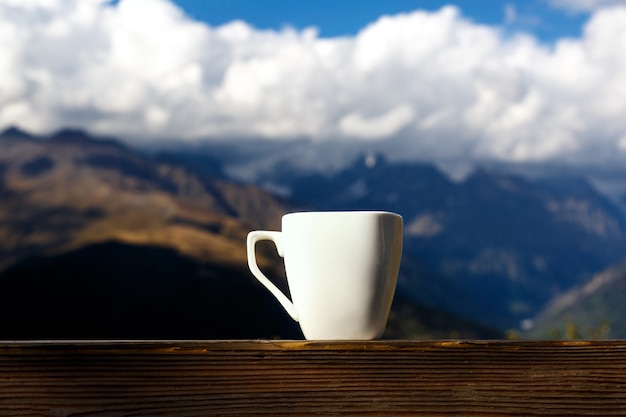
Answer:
(342, 268)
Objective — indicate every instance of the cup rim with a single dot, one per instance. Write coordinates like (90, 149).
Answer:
(342, 212)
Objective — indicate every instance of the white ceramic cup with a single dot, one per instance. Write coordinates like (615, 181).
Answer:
(342, 268)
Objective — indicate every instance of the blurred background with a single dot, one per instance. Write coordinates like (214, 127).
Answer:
(140, 141)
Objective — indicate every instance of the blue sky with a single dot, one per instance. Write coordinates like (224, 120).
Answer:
(347, 17)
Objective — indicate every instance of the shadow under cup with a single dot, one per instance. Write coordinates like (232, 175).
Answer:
(342, 269)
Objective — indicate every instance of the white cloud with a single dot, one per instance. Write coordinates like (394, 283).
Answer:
(381, 126)
(436, 83)
(510, 13)
(585, 5)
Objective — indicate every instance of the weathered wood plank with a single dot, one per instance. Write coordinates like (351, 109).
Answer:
(393, 378)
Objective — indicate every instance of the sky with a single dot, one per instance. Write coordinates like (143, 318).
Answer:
(347, 17)
(523, 81)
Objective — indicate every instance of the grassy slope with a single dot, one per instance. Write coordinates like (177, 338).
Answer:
(595, 310)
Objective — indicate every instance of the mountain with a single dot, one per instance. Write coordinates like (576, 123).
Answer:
(80, 213)
(494, 247)
(411, 320)
(98, 240)
(113, 290)
(72, 190)
(595, 309)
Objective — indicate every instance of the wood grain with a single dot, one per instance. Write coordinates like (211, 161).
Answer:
(274, 378)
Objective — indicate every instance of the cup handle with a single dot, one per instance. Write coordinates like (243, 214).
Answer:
(276, 237)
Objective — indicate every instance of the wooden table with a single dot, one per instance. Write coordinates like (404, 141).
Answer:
(273, 378)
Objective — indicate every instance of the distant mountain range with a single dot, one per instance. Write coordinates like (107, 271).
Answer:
(99, 240)
(499, 243)
(495, 247)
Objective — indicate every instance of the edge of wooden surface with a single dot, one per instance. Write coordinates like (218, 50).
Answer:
(270, 345)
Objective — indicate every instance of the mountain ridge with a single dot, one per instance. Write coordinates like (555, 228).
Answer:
(495, 237)
(71, 208)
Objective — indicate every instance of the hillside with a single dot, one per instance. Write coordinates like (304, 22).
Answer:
(72, 190)
(113, 290)
(98, 240)
(91, 227)
(593, 310)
